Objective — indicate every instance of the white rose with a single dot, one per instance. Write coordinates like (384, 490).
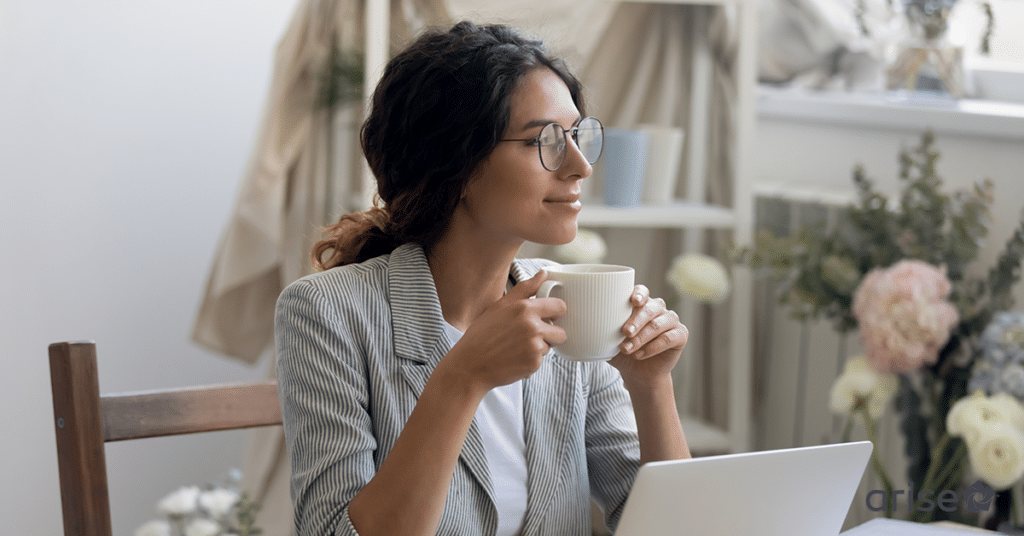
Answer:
(202, 527)
(1010, 407)
(179, 503)
(587, 248)
(699, 276)
(219, 502)
(997, 456)
(157, 527)
(861, 382)
(971, 414)
(884, 391)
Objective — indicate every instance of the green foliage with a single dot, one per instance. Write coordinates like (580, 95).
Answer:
(820, 271)
(343, 80)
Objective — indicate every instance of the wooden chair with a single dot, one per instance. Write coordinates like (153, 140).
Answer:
(84, 420)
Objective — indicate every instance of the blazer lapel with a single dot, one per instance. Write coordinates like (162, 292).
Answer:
(421, 341)
(549, 411)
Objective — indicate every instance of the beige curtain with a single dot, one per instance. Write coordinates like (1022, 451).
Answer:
(634, 60)
(284, 199)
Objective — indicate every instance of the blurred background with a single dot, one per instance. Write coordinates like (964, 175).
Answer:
(130, 133)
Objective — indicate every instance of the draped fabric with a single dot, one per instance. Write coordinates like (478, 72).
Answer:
(823, 44)
(283, 201)
(635, 61)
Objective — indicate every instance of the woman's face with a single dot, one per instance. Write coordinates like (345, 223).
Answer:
(511, 194)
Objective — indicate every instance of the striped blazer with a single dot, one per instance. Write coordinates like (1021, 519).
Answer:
(356, 345)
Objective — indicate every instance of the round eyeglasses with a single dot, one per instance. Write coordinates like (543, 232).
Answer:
(552, 144)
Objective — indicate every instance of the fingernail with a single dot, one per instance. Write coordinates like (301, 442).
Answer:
(636, 297)
(640, 353)
(629, 346)
(630, 329)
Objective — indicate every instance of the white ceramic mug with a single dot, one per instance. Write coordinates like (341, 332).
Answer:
(597, 306)
(661, 171)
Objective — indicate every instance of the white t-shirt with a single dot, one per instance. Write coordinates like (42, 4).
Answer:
(500, 421)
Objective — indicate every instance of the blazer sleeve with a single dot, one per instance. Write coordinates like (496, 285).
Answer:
(323, 388)
(613, 447)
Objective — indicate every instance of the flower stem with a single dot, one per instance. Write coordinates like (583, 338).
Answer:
(933, 467)
(876, 459)
(848, 429)
(954, 472)
(945, 478)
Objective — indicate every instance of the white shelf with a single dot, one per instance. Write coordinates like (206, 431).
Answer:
(676, 215)
(964, 117)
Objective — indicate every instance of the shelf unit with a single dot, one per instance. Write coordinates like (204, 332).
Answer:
(693, 216)
(690, 215)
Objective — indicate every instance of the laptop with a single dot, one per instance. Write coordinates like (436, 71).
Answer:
(805, 491)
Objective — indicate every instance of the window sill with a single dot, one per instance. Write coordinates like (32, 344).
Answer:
(966, 117)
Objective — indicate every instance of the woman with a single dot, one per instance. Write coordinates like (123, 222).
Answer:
(419, 389)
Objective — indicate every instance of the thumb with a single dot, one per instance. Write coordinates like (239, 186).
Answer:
(529, 287)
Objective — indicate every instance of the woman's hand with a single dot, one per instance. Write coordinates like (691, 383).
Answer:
(509, 340)
(654, 340)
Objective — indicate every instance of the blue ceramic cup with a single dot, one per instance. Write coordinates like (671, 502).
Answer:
(624, 159)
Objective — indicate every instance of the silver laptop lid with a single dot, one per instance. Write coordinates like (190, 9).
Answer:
(804, 491)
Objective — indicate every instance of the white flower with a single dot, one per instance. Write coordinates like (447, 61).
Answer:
(860, 382)
(587, 248)
(157, 527)
(179, 503)
(700, 277)
(202, 527)
(972, 415)
(1011, 408)
(219, 502)
(997, 456)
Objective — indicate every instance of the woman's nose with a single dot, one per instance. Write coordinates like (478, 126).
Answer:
(575, 164)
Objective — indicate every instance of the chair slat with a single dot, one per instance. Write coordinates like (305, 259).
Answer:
(81, 459)
(188, 411)
(84, 420)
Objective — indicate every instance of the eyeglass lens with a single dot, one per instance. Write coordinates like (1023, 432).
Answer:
(589, 137)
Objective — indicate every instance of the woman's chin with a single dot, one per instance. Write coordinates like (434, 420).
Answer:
(557, 237)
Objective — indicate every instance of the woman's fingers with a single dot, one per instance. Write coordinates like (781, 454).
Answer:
(642, 315)
(653, 319)
(639, 300)
(673, 338)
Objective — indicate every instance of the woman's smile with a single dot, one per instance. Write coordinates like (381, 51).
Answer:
(571, 202)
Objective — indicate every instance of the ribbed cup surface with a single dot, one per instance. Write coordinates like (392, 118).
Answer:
(597, 305)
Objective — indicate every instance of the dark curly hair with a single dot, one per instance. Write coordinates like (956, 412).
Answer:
(439, 110)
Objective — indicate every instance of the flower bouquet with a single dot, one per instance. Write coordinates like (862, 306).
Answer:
(897, 272)
(213, 510)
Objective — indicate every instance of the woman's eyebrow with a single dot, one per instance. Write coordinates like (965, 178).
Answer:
(544, 122)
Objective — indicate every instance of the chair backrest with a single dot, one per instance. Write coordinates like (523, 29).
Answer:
(84, 420)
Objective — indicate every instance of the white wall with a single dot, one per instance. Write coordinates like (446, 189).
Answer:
(125, 126)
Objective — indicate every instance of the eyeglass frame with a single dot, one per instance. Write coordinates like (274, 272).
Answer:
(565, 132)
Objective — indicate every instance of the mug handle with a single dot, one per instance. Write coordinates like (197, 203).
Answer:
(546, 288)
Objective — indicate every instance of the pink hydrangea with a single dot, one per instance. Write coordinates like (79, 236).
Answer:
(904, 315)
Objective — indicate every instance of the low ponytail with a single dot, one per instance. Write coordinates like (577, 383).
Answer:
(355, 238)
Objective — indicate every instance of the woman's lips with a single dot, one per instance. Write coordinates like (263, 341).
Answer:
(572, 202)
